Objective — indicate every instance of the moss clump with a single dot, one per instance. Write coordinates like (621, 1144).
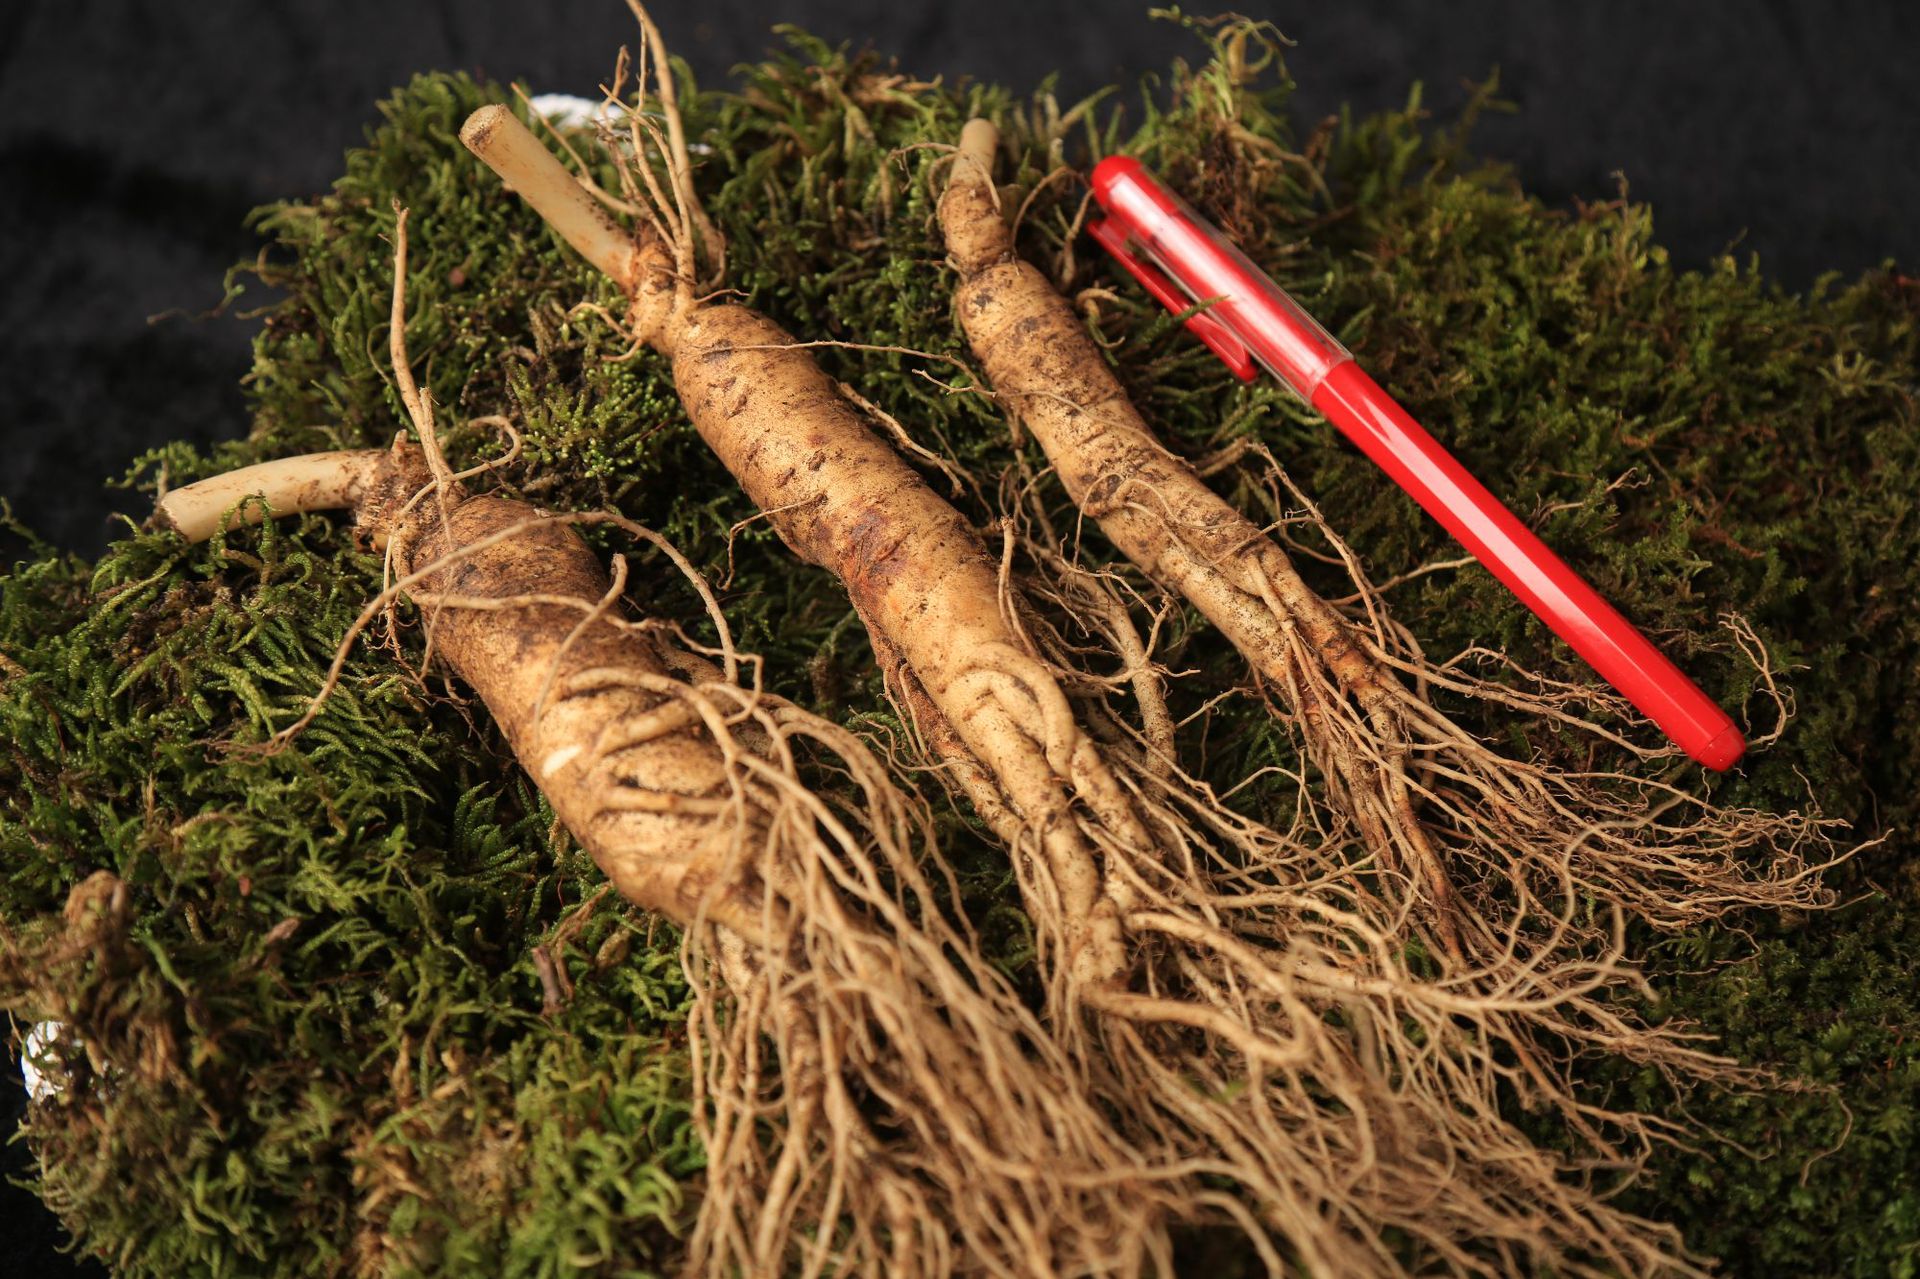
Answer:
(317, 995)
(376, 1086)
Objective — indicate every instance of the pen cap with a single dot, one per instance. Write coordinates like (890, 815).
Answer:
(1189, 250)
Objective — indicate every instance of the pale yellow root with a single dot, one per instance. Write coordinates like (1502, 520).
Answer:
(872, 1097)
(292, 485)
(841, 497)
(1240, 1001)
(1511, 838)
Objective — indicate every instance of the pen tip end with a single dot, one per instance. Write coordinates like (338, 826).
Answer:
(1723, 752)
(1110, 171)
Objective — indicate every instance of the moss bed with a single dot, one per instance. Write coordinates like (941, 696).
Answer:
(308, 1037)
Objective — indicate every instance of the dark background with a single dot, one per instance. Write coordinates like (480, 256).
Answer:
(134, 138)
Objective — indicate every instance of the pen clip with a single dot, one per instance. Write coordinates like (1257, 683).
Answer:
(1219, 338)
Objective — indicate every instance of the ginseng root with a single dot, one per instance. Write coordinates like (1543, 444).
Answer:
(1237, 998)
(872, 1097)
(1481, 841)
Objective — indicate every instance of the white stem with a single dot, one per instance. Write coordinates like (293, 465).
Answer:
(979, 140)
(290, 485)
(509, 148)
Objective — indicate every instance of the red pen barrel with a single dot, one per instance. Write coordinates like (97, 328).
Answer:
(1188, 254)
(1575, 612)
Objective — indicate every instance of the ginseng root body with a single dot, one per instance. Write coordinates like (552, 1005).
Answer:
(1479, 839)
(589, 712)
(918, 575)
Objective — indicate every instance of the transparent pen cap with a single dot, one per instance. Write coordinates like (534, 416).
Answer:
(1206, 267)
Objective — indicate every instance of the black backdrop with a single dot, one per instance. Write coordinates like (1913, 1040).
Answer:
(136, 134)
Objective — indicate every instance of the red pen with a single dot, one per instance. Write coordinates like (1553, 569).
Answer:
(1252, 323)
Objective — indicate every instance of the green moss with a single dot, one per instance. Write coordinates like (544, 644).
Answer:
(304, 923)
(253, 1086)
